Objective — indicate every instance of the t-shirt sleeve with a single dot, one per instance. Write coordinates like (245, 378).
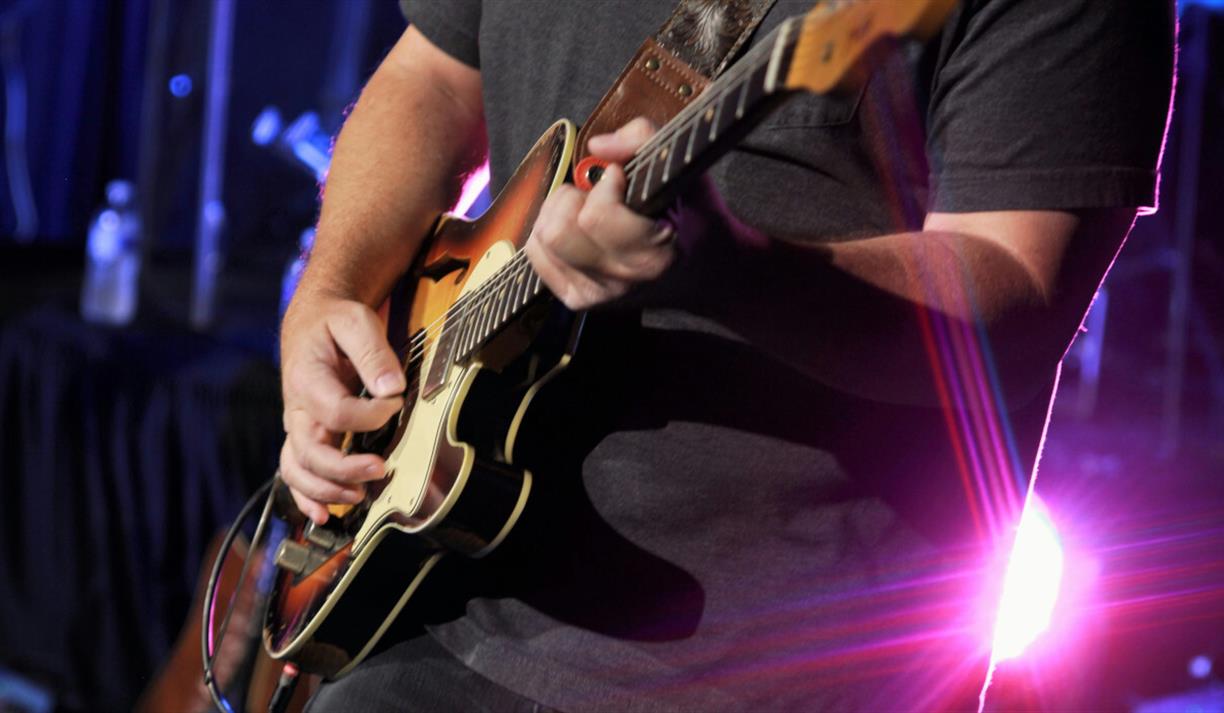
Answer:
(1050, 105)
(452, 25)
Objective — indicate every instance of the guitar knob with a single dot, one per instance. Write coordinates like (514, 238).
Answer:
(293, 557)
(321, 536)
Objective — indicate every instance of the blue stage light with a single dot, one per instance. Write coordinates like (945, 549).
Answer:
(180, 85)
(266, 127)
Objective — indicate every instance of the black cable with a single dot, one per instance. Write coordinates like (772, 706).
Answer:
(284, 689)
(210, 591)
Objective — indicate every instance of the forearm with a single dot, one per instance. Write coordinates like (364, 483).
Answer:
(397, 164)
(858, 315)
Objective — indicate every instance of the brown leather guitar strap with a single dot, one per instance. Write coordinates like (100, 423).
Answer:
(694, 45)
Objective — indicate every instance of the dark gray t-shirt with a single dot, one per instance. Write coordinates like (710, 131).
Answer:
(714, 530)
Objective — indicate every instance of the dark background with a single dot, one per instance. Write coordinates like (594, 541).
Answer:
(123, 450)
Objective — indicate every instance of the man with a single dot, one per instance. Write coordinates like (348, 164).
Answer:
(764, 472)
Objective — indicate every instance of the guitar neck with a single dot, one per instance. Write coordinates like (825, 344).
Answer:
(710, 125)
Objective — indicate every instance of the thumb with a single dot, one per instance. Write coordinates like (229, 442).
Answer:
(359, 333)
(620, 145)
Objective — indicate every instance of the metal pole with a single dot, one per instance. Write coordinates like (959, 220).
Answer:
(211, 220)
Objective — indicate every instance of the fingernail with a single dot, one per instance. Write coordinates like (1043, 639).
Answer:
(389, 384)
(374, 471)
(354, 497)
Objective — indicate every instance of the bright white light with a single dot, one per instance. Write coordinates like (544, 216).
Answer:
(472, 187)
(1030, 587)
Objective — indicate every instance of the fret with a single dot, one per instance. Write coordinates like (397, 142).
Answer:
(520, 279)
(754, 87)
(693, 131)
(482, 328)
(743, 97)
(469, 339)
(469, 328)
(726, 114)
(446, 343)
(714, 120)
(632, 182)
(494, 287)
(515, 277)
(668, 152)
(646, 183)
(533, 284)
(775, 57)
(465, 334)
(503, 294)
(490, 312)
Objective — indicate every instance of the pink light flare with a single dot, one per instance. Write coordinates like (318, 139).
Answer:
(472, 186)
(1031, 584)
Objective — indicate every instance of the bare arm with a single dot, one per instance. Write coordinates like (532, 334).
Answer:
(416, 130)
(1026, 277)
(846, 313)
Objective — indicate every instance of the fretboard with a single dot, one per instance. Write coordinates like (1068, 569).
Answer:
(704, 129)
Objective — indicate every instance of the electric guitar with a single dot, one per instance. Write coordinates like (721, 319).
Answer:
(479, 338)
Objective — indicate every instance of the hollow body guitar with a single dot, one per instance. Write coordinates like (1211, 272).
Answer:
(479, 337)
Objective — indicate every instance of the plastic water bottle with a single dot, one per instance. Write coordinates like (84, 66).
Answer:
(112, 269)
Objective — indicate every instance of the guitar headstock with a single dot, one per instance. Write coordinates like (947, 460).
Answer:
(831, 38)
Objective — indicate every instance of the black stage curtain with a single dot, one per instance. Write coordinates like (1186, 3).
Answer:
(121, 453)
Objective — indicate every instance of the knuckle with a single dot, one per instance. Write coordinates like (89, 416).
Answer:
(572, 298)
(295, 381)
(304, 461)
(332, 419)
(545, 232)
(371, 355)
(288, 472)
(304, 503)
(351, 316)
(622, 270)
(658, 261)
(639, 128)
(590, 219)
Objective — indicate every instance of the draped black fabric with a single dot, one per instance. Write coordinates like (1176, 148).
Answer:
(121, 453)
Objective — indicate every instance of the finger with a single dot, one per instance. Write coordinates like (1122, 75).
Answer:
(619, 145)
(312, 493)
(557, 233)
(314, 452)
(359, 333)
(315, 512)
(604, 217)
(634, 248)
(332, 404)
(576, 289)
